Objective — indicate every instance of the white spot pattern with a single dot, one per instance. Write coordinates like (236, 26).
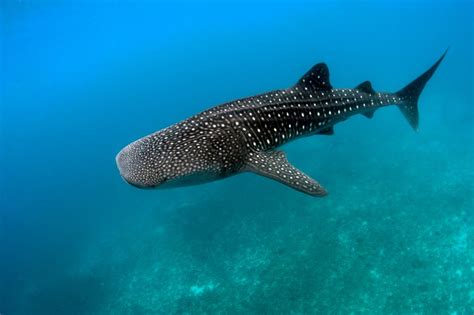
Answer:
(221, 140)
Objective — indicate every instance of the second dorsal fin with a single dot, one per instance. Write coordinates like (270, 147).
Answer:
(365, 87)
(317, 78)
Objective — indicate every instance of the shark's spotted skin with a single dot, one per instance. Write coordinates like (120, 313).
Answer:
(242, 135)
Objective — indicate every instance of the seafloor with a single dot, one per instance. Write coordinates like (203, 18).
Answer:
(395, 236)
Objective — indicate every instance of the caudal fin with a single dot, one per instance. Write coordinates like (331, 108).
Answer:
(410, 94)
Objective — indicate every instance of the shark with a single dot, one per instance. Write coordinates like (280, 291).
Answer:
(244, 135)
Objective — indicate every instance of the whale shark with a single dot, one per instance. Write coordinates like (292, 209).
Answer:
(243, 135)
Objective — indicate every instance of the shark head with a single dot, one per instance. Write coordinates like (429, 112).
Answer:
(142, 165)
(165, 159)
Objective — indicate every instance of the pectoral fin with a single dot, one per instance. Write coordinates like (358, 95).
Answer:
(274, 165)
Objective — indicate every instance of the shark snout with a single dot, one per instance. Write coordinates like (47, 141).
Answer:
(123, 164)
(132, 167)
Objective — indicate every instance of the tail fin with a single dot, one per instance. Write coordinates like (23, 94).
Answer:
(410, 94)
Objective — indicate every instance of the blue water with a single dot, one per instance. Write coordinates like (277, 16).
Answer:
(81, 80)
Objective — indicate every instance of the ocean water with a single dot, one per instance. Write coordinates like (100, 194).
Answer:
(81, 79)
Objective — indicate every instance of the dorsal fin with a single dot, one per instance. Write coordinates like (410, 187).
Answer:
(365, 87)
(317, 78)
